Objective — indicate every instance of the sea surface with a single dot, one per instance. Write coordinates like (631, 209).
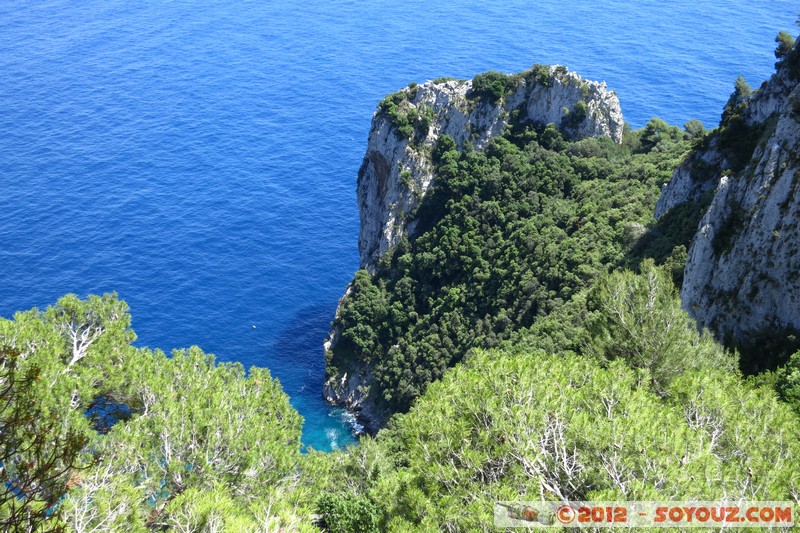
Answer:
(199, 157)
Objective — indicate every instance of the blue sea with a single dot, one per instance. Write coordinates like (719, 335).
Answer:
(199, 157)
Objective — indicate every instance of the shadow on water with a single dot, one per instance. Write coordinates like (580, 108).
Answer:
(298, 362)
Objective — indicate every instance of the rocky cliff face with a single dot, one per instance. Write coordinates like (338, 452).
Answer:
(743, 271)
(397, 168)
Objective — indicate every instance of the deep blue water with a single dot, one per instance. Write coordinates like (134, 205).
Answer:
(199, 156)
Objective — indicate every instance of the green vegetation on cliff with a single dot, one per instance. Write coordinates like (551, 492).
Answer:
(530, 426)
(650, 410)
(504, 237)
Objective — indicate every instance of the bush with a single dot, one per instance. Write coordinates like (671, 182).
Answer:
(531, 426)
(788, 54)
(788, 382)
(394, 107)
(492, 85)
(694, 129)
(639, 318)
(785, 45)
(657, 131)
(540, 74)
(348, 513)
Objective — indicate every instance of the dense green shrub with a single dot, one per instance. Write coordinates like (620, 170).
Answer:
(788, 54)
(504, 237)
(540, 74)
(573, 117)
(737, 139)
(202, 442)
(785, 44)
(694, 129)
(639, 318)
(788, 382)
(531, 427)
(348, 514)
(657, 130)
(410, 121)
(492, 85)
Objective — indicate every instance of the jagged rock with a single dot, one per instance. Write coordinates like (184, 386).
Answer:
(696, 175)
(351, 390)
(743, 270)
(397, 168)
(350, 387)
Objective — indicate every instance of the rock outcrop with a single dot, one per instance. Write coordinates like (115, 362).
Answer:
(697, 174)
(351, 391)
(743, 271)
(397, 168)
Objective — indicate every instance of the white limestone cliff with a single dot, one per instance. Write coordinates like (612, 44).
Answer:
(397, 169)
(743, 271)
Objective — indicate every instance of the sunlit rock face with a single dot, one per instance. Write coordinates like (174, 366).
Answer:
(743, 271)
(397, 168)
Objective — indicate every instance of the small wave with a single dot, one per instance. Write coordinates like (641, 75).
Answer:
(348, 419)
(333, 437)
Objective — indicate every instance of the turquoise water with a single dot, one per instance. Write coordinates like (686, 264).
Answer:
(199, 157)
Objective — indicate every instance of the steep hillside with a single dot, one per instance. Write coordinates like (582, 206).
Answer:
(534, 365)
(485, 206)
(398, 168)
(742, 276)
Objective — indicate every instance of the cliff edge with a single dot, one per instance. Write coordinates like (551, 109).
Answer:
(742, 276)
(398, 169)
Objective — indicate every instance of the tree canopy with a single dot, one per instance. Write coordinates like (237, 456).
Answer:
(504, 237)
(190, 442)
